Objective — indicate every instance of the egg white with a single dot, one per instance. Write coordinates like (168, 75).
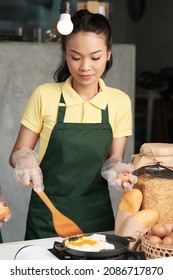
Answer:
(101, 244)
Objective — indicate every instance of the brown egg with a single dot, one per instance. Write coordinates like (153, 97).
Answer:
(154, 239)
(170, 234)
(148, 234)
(125, 177)
(159, 230)
(168, 241)
(169, 227)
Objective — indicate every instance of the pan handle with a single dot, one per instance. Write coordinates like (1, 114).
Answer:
(130, 238)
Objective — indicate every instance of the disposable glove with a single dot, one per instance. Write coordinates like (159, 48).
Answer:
(27, 168)
(118, 174)
(5, 212)
(6, 219)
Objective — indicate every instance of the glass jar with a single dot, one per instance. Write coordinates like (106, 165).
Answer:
(154, 169)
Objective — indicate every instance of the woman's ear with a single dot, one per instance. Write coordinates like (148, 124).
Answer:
(108, 55)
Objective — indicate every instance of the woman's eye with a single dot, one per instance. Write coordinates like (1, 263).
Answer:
(95, 58)
(75, 58)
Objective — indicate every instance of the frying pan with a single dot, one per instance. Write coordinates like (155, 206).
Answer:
(121, 245)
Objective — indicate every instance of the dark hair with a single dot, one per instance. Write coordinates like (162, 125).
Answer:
(85, 21)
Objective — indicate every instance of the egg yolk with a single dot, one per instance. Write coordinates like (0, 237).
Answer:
(82, 241)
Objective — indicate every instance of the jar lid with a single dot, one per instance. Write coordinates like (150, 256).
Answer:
(154, 153)
(157, 149)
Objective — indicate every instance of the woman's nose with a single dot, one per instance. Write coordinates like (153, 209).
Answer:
(85, 65)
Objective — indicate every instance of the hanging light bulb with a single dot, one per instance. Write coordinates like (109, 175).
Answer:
(65, 25)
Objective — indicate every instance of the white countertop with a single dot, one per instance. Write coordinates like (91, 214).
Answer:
(9, 250)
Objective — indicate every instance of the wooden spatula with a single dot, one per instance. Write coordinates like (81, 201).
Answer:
(64, 227)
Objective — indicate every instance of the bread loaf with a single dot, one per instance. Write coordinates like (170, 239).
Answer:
(4, 210)
(138, 222)
(129, 204)
(147, 217)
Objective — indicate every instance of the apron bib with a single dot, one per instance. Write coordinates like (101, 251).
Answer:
(71, 170)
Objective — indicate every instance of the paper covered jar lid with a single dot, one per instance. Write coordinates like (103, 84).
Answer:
(154, 154)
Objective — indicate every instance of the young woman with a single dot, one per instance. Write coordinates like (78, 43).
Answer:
(79, 123)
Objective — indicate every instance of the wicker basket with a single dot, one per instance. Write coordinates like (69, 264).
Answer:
(153, 251)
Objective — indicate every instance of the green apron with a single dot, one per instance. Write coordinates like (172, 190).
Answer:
(71, 170)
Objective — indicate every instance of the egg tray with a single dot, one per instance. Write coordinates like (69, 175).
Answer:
(154, 251)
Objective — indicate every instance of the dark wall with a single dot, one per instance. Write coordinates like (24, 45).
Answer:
(152, 33)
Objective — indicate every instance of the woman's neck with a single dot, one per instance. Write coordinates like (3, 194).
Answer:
(86, 92)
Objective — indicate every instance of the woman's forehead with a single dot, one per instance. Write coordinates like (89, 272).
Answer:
(83, 39)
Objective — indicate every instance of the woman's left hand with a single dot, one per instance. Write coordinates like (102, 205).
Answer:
(118, 174)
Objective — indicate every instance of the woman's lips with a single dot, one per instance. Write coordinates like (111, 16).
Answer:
(86, 77)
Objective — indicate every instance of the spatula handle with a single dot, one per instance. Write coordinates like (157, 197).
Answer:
(45, 199)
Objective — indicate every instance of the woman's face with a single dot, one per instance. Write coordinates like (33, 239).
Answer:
(86, 57)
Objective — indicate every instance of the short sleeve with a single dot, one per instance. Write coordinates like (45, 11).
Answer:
(32, 114)
(123, 118)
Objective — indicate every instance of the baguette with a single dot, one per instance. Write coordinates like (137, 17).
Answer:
(147, 217)
(137, 223)
(129, 204)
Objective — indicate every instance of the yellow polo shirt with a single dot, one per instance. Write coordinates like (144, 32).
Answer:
(40, 113)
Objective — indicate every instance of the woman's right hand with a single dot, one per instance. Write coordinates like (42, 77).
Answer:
(26, 168)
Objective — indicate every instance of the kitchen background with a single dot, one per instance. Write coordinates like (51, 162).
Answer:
(143, 67)
(144, 23)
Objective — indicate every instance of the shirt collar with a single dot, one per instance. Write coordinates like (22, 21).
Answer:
(72, 98)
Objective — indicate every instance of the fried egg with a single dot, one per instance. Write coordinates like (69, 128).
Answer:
(92, 243)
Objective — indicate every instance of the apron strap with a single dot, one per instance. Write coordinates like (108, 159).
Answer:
(62, 99)
(105, 115)
(62, 109)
